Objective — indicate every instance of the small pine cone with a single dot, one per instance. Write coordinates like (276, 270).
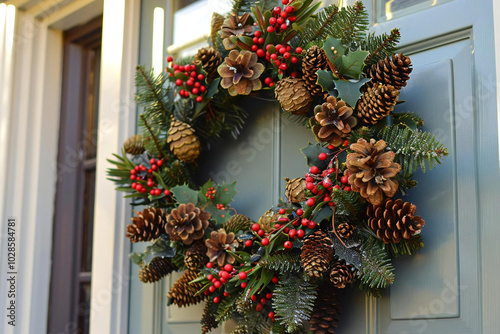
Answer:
(268, 219)
(196, 256)
(295, 190)
(394, 220)
(293, 95)
(149, 224)
(316, 254)
(342, 274)
(333, 121)
(183, 142)
(218, 243)
(345, 230)
(326, 313)
(210, 59)
(371, 170)
(376, 103)
(208, 321)
(314, 60)
(183, 293)
(238, 223)
(187, 223)
(394, 72)
(156, 270)
(134, 145)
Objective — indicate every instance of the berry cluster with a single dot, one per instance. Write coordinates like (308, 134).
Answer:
(282, 56)
(281, 19)
(189, 78)
(144, 179)
(210, 193)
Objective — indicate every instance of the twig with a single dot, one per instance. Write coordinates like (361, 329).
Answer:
(327, 21)
(157, 144)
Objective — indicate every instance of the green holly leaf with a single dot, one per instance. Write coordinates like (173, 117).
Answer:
(325, 80)
(185, 195)
(219, 216)
(349, 91)
(159, 247)
(353, 62)
(312, 152)
(224, 193)
(136, 258)
(202, 199)
(334, 51)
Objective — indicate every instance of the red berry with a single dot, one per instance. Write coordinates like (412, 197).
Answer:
(132, 177)
(268, 80)
(178, 82)
(314, 170)
(285, 2)
(258, 33)
(253, 298)
(283, 66)
(201, 76)
(301, 233)
(309, 179)
(292, 233)
(260, 233)
(228, 267)
(298, 50)
(206, 292)
(331, 147)
(277, 9)
(263, 301)
(211, 289)
(284, 14)
(216, 300)
(260, 53)
(226, 294)
(254, 47)
(300, 212)
(280, 20)
(192, 74)
(224, 274)
(255, 40)
(311, 224)
(195, 91)
(272, 21)
(337, 186)
(181, 68)
(322, 156)
(277, 226)
(217, 284)
(293, 74)
(166, 192)
(269, 295)
(290, 9)
(159, 162)
(311, 201)
(309, 185)
(287, 245)
(275, 280)
(259, 307)
(202, 88)
(210, 277)
(271, 84)
(286, 55)
(347, 188)
(152, 192)
(261, 40)
(346, 143)
(277, 62)
(242, 275)
(190, 82)
(193, 67)
(343, 179)
(170, 59)
(157, 192)
(197, 84)
(255, 227)
(282, 50)
(274, 56)
(223, 280)
(209, 265)
(327, 199)
(265, 242)
(270, 29)
(199, 99)
(248, 243)
(243, 285)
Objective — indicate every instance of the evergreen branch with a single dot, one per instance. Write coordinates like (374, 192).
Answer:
(406, 246)
(328, 21)
(293, 301)
(380, 46)
(153, 86)
(376, 268)
(283, 262)
(153, 136)
(226, 307)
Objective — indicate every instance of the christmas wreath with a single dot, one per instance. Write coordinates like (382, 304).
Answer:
(339, 225)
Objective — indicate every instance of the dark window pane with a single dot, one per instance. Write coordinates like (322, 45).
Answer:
(88, 218)
(84, 308)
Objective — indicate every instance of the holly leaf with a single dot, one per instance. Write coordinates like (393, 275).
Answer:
(224, 193)
(219, 216)
(202, 199)
(185, 195)
(353, 62)
(312, 152)
(325, 80)
(349, 90)
(324, 213)
(136, 258)
(159, 247)
(334, 51)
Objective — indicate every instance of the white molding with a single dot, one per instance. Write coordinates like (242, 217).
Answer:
(110, 265)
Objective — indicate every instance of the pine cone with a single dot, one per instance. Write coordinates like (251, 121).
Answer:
(183, 142)
(187, 223)
(295, 190)
(267, 220)
(293, 95)
(156, 270)
(196, 256)
(134, 145)
(371, 171)
(316, 254)
(219, 242)
(326, 313)
(234, 25)
(376, 103)
(183, 293)
(314, 60)
(333, 121)
(394, 72)
(394, 220)
(210, 59)
(342, 274)
(149, 224)
(345, 230)
(238, 223)
(208, 321)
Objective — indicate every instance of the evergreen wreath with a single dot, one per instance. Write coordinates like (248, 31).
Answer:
(340, 225)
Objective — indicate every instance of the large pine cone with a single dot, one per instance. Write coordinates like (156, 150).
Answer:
(293, 95)
(394, 220)
(187, 223)
(295, 190)
(219, 242)
(149, 224)
(156, 270)
(314, 60)
(134, 145)
(196, 256)
(183, 293)
(316, 254)
(345, 230)
(183, 142)
(238, 223)
(394, 72)
(326, 312)
(342, 274)
(376, 103)
(210, 59)
(371, 171)
(335, 121)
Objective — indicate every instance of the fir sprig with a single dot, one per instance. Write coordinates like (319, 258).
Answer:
(376, 269)
(380, 46)
(283, 262)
